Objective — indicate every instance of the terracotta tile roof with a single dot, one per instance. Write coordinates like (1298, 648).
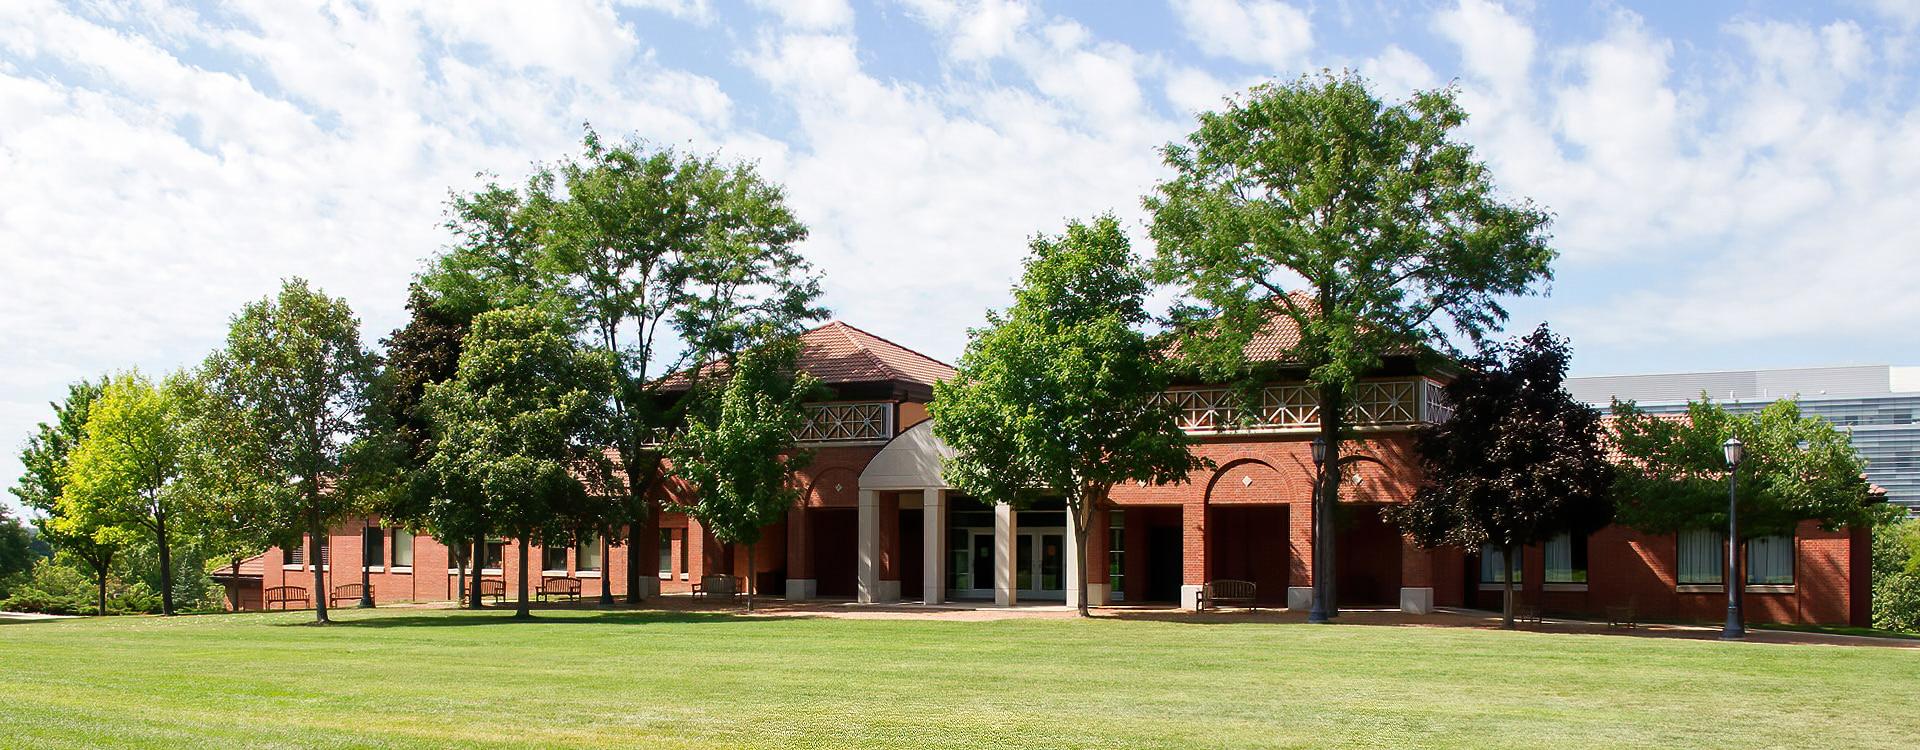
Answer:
(252, 567)
(839, 353)
(1275, 341)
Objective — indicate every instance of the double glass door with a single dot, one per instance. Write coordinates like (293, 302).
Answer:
(1039, 566)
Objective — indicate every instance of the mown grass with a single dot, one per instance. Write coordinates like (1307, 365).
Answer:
(395, 678)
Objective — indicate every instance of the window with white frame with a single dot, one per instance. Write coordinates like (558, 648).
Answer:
(554, 558)
(1566, 557)
(402, 549)
(1770, 560)
(666, 552)
(1701, 558)
(294, 555)
(1492, 558)
(496, 555)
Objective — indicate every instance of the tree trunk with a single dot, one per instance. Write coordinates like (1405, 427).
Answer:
(317, 535)
(101, 576)
(166, 564)
(233, 592)
(523, 611)
(460, 593)
(479, 563)
(1080, 523)
(606, 569)
(1506, 575)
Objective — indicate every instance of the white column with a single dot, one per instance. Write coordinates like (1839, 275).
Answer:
(869, 582)
(933, 567)
(1005, 534)
(1073, 563)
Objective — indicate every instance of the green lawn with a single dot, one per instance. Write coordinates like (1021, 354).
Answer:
(430, 679)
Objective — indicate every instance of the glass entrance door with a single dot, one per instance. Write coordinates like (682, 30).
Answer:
(1041, 570)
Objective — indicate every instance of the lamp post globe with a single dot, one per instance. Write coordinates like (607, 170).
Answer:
(1734, 451)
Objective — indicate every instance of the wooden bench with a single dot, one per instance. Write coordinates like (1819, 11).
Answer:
(717, 585)
(559, 586)
(493, 587)
(1228, 593)
(1527, 613)
(348, 592)
(283, 595)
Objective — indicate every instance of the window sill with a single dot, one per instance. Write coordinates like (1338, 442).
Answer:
(666, 576)
(1769, 588)
(376, 568)
(1518, 586)
(491, 571)
(587, 574)
(293, 567)
(1700, 588)
(553, 573)
(402, 570)
(1564, 587)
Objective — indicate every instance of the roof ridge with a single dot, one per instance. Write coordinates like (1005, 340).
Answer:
(847, 330)
(888, 341)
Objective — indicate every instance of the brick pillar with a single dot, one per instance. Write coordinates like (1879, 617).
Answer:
(647, 556)
(1097, 579)
(1300, 555)
(696, 548)
(801, 584)
(1193, 569)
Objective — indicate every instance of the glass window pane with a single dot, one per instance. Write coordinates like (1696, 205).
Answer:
(588, 556)
(402, 549)
(553, 558)
(1700, 556)
(376, 545)
(1770, 560)
(1491, 558)
(1566, 558)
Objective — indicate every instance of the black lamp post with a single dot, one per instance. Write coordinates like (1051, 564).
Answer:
(606, 570)
(1318, 612)
(366, 562)
(1736, 627)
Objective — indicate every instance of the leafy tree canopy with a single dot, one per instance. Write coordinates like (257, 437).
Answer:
(1519, 462)
(1061, 394)
(124, 471)
(1797, 468)
(738, 453)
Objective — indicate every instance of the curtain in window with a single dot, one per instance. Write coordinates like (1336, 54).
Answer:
(402, 549)
(1770, 560)
(1567, 559)
(1700, 556)
(1491, 558)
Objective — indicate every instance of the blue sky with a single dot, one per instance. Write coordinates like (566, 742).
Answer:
(1733, 183)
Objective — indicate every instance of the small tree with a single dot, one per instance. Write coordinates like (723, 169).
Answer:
(1519, 462)
(44, 484)
(123, 471)
(738, 454)
(1796, 468)
(520, 426)
(1062, 393)
(1368, 226)
(293, 393)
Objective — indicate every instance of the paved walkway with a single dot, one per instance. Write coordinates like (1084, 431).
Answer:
(1444, 618)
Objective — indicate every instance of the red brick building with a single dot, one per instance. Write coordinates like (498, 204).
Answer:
(876, 522)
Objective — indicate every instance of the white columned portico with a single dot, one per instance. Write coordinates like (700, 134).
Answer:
(933, 566)
(869, 581)
(1006, 532)
(1073, 566)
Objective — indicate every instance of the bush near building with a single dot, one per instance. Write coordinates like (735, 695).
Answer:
(1896, 576)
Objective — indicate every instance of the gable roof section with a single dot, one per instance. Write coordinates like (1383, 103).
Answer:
(840, 354)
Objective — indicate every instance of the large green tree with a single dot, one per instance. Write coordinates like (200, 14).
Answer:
(16, 549)
(663, 259)
(124, 471)
(294, 394)
(1061, 394)
(1520, 461)
(1369, 226)
(44, 483)
(669, 260)
(738, 452)
(520, 428)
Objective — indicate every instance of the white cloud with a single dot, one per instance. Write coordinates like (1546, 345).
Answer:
(810, 14)
(1258, 32)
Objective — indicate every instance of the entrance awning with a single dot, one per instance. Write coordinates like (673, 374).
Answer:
(910, 461)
